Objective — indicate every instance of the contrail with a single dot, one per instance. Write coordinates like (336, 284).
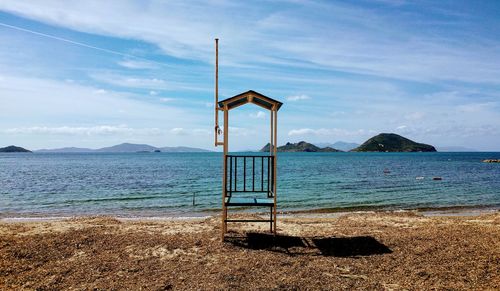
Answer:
(77, 43)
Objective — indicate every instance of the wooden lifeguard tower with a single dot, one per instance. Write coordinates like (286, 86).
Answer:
(248, 180)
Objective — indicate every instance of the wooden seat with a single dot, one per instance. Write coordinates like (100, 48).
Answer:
(249, 201)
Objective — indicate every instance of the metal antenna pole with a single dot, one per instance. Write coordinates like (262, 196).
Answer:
(216, 129)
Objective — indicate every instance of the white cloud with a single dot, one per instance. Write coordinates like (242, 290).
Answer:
(202, 132)
(166, 99)
(329, 132)
(131, 82)
(153, 84)
(297, 35)
(415, 116)
(153, 93)
(476, 107)
(302, 131)
(240, 131)
(297, 97)
(100, 91)
(403, 129)
(131, 64)
(337, 113)
(449, 130)
(258, 115)
(289, 35)
(28, 101)
(84, 130)
(178, 131)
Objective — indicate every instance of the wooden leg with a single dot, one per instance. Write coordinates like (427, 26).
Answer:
(224, 222)
(271, 219)
(274, 220)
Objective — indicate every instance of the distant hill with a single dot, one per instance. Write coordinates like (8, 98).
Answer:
(340, 145)
(127, 148)
(182, 150)
(300, 147)
(14, 149)
(124, 148)
(455, 149)
(391, 142)
(66, 150)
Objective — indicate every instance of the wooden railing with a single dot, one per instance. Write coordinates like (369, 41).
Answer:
(249, 174)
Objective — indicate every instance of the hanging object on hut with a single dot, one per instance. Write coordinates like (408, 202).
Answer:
(247, 180)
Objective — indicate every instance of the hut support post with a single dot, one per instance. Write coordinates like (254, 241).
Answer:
(275, 170)
(271, 142)
(271, 150)
(224, 178)
(216, 129)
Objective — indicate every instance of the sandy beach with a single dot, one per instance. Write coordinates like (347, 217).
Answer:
(377, 251)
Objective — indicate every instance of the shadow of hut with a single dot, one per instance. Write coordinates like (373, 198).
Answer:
(325, 246)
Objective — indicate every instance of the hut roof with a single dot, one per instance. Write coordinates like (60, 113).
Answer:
(250, 96)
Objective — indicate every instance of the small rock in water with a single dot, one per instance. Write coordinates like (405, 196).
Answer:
(491, 161)
(437, 178)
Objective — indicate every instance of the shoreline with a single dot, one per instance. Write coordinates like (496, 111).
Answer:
(310, 213)
(397, 250)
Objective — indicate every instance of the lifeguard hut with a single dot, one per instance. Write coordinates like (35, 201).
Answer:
(247, 180)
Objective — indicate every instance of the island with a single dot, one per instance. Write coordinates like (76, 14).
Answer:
(391, 142)
(14, 149)
(339, 145)
(300, 147)
(125, 148)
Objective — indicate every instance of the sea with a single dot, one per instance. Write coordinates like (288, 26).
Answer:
(190, 184)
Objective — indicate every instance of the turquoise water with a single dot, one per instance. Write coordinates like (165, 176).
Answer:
(163, 184)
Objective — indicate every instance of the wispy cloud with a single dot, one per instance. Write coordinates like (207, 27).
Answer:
(434, 133)
(68, 102)
(185, 132)
(477, 107)
(138, 81)
(178, 131)
(84, 130)
(358, 40)
(258, 115)
(297, 97)
(370, 67)
(100, 91)
(415, 115)
(131, 82)
(202, 132)
(139, 65)
(329, 132)
(240, 131)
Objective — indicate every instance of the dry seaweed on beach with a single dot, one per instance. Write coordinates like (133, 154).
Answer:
(389, 251)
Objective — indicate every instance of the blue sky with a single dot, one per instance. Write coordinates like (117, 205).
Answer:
(98, 73)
